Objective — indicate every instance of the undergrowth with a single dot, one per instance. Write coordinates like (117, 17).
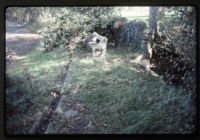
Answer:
(119, 99)
(28, 85)
(122, 100)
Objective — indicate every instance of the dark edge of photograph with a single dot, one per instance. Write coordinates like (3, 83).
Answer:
(57, 94)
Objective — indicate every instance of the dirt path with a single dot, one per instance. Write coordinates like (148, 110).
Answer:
(20, 39)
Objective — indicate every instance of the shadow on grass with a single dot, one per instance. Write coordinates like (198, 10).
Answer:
(122, 100)
(118, 97)
(25, 100)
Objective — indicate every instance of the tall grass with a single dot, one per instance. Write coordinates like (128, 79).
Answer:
(119, 98)
(122, 100)
(28, 97)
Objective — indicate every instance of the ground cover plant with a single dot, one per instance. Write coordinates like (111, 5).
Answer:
(55, 86)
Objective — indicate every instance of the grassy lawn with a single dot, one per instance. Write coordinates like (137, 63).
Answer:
(120, 98)
(124, 100)
(44, 69)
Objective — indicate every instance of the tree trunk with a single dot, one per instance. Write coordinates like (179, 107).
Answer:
(153, 11)
(161, 13)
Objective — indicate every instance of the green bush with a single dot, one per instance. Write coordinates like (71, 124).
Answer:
(76, 22)
(23, 101)
(131, 34)
(180, 30)
(178, 27)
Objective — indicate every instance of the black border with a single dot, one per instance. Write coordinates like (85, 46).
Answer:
(37, 3)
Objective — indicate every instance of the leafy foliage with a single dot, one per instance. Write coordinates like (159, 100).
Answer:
(117, 96)
(122, 100)
(19, 99)
(174, 50)
(180, 30)
(33, 15)
(23, 15)
(76, 22)
(131, 33)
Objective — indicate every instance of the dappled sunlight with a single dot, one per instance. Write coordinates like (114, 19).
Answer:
(45, 65)
(44, 70)
(59, 109)
(107, 66)
(88, 61)
(80, 73)
(92, 64)
(40, 49)
(117, 61)
(39, 70)
(26, 36)
(51, 64)
(18, 57)
(135, 69)
(137, 59)
(69, 81)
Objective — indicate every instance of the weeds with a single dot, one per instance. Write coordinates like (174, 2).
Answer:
(119, 99)
(28, 85)
(124, 101)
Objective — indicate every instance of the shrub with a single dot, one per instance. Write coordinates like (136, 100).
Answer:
(180, 31)
(76, 22)
(131, 34)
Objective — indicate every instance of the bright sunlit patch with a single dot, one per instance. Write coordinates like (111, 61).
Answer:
(18, 57)
(137, 59)
(107, 68)
(134, 11)
(48, 65)
(59, 109)
(53, 64)
(21, 35)
(40, 49)
(134, 69)
(86, 61)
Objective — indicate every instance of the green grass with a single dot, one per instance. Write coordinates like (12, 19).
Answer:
(128, 101)
(44, 69)
(119, 98)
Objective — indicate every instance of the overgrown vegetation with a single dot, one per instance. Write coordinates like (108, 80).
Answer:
(131, 34)
(180, 30)
(28, 87)
(175, 44)
(115, 96)
(75, 22)
(121, 99)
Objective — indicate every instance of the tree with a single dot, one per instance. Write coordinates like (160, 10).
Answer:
(76, 22)
(178, 47)
(153, 12)
(181, 30)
